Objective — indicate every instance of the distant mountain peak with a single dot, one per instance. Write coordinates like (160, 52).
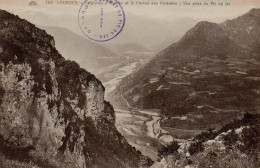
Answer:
(204, 37)
(206, 24)
(205, 29)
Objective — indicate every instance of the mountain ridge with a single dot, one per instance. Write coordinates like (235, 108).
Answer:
(244, 29)
(202, 40)
(198, 75)
(78, 48)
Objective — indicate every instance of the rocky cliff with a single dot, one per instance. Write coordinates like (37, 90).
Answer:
(52, 112)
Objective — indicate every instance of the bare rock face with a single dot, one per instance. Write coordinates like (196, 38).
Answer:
(52, 112)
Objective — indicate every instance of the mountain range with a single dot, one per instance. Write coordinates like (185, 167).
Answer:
(92, 56)
(138, 29)
(53, 112)
(210, 76)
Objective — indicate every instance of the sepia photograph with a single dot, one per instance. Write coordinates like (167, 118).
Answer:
(129, 83)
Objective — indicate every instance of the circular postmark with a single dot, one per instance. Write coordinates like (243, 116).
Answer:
(101, 20)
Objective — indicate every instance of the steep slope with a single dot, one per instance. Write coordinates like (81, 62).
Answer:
(91, 56)
(245, 30)
(205, 39)
(52, 112)
(206, 77)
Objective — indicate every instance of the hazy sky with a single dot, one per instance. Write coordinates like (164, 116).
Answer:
(236, 8)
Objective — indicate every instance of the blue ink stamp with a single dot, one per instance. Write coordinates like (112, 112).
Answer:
(101, 20)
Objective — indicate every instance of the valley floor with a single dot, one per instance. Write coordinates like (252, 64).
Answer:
(142, 128)
(143, 131)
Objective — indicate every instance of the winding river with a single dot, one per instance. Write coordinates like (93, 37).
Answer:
(141, 128)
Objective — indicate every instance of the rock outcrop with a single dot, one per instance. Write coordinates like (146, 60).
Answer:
(235, 145)
(52, 112)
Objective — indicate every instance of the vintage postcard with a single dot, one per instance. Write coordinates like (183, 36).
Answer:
(129, 83)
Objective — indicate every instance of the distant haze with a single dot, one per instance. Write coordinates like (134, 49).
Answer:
(154, 27)
(199, 12)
